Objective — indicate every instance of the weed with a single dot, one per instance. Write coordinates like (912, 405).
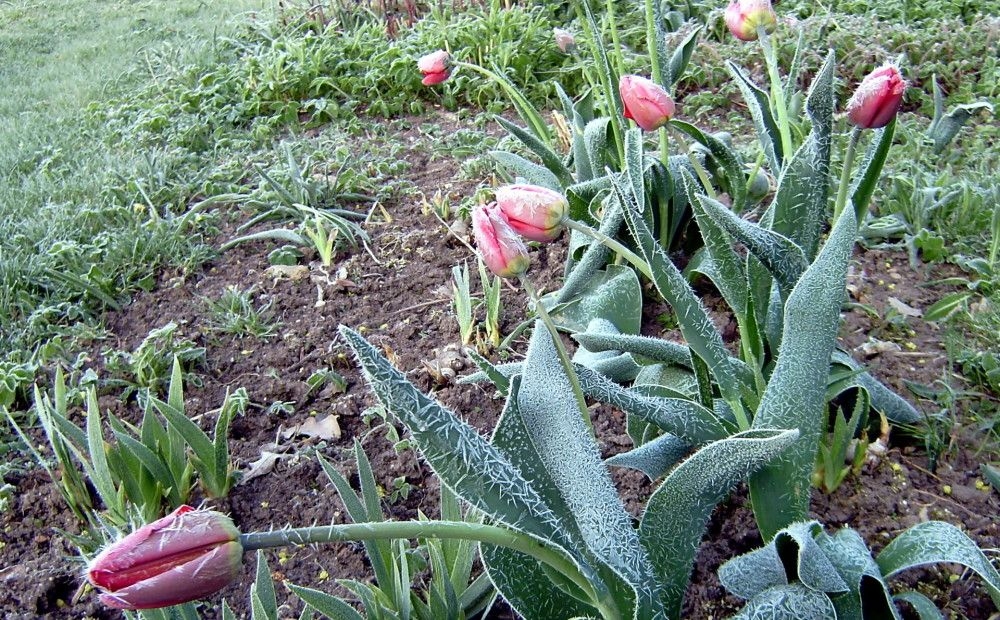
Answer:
(234, 313)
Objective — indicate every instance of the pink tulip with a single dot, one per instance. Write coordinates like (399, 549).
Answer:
(744, 17)
(564, 40)
(534, 212)
(645, 102)
(182, 557)
(500, 247)
(877, 99)
(435, 67)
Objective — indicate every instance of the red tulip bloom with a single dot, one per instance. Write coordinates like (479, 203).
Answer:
(182, 557)
(877, 99)
(499, 246)
(435, 67)
(534, 212)
(646, 102)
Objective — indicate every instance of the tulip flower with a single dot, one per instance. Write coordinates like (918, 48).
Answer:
(435, 67)
(646, 102)
(877, 99)
(564, 40)
(534, 212)
(500, 247)
(182, 557)
(744, 17)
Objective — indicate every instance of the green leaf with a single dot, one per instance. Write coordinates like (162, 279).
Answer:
(681, 55)
(653, 458)
(944, 129)
(99, 472)
(594, 258)
(279, 234)
(518, 166)
(791, 602)
(675, 517)
(868, 594)
(724, 155)
(992, 475)
(201, 445)
(867, 176)
(695, 324)
(795, 396)
(937, 541)
(570, 455)
(655, 349)
(475, 470)
(729, 276)
(925, 607)
(595, 147)
(895, 408)
(944, 307)
(549, 158)
(263, 603)
(326, 604)
(800, 204)
(760, 109)
(613, 294)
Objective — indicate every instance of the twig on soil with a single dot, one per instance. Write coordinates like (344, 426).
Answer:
(420, 305)
(950, 501)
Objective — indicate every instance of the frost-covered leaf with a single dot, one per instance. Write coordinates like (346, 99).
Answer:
(789, 602)
(674, 520)
(867, 592)
(594, 258)
(653, 458)
(795, 396)
(326, 604)
(870, 169)
(654, 349)
(613, 294)
(531, 172)
(725, 155)
(894, 406)
(553, 421)
(760, 109)
(925, 607)
(728, 273)
(937, 541)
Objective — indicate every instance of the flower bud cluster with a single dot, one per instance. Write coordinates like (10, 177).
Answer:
(531, 211)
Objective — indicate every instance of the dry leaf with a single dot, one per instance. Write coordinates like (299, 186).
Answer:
(263, 465)
(326, 428)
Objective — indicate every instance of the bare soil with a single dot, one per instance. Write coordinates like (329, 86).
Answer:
(402, 304)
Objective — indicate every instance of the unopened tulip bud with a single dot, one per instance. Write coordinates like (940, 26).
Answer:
(534, 212)
(564, 40)
(182, 557)
(434, 67)
(744, 17)
(877, 99)
(646, 102)
(502, 250)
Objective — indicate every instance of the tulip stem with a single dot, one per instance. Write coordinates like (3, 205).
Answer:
(564, 358)
(614, 244)
(699, 170)
(777, 95)
(845, 173)
(447, 530)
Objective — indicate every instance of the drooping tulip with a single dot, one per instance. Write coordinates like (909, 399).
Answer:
(434, 67)
(564, 40)
(877, 99)
(744, 17)
(646, 102)
(182, 557)
(534, 212)
(501, 249)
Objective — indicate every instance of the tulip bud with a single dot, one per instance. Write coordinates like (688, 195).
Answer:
(500, 247)
(182, 557)
(564, 40)
(534, 212)
(877, 99)
(744, 17)
(435, 67)
(645, 102)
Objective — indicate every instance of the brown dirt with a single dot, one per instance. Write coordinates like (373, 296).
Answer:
(402, 303)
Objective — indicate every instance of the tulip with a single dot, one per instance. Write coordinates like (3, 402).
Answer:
(645, 102)
(877, 99)
(435, 67)
(744, 17)
(534, 212)
(564, 40)
(182, 557)
(500, 247)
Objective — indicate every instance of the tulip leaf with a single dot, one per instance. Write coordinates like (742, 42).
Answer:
(868, 594)
(870, 169)
(724, 155)
(937, 541)
(680, 56)
(730, 278)
(475, 470)
(569, 454)
(522, 580)
(789, 602)
(895, 408)
(653, 458)
(531, 172)
(760, 109)
(675, 517)
(594, 258)
(925, 607)
(655, 349)
(800, 204)
(695, 324)
(263, 603)
(783, 259)
(795, 396)
(613, 294)
(595, 146)
(326, 604)
(549, 158)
